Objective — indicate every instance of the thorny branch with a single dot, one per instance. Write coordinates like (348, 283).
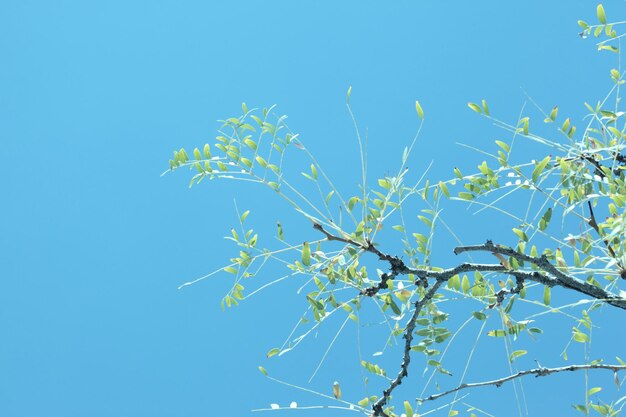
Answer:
(551, 276)
(541, 371)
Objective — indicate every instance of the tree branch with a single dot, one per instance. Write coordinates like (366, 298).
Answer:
(541, 371)
(560, 278)
(396, 264)
(551, 276)
(408, 337)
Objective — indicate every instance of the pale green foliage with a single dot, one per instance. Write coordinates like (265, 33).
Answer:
(581, 168)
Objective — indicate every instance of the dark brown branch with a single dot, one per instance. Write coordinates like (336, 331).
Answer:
(396, 265)
(551, 276)
(560, 278)
(330, 236)
(541, 371)
(408, 338)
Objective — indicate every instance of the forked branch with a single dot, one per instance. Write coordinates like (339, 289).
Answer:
(548, 275)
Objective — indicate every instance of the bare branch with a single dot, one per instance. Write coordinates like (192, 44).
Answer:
(541, 371)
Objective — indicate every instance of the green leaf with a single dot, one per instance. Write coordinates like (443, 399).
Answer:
(524, 122)
(478, 315)
(364, 402)
(597, 32)
(539, 167)
(579, 336)
(516, 355)
(474, 107)
(465, 284)
(207, 151)
(593, 391)
(408, 409)
(352, 202)
(426, 220)
(261, 161)
(615, 74)
(280, 231)
(263, 371)
(246, 162)
(272, 352)
(521, 234)
(503, 145)
(197, 154)
(315, 303)
(602, 409)
(608, 48)
(455, 282)
(583, 24)
(485, 107)
(274, 168)
(571, 131)
(394, 306)
(384, 183)
(546, 295)
(545, 219)
(418, 108)
(314, 171)
(444, 189)
(230, 270)
(257, 119)
(554, 112)
(306, 254)
(251, 144)
(496, 333)
(601, 14)
(244, 215)
(466, 196)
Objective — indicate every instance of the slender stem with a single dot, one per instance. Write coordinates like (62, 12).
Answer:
(540, 371)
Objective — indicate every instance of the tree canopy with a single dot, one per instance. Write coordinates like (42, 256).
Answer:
(560, 259)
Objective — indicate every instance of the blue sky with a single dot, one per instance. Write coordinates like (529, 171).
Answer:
(94, 98)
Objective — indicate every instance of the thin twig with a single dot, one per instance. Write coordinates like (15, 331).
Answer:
(541, 371)
(592, 222)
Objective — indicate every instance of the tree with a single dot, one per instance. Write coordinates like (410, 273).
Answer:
(580, 181)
